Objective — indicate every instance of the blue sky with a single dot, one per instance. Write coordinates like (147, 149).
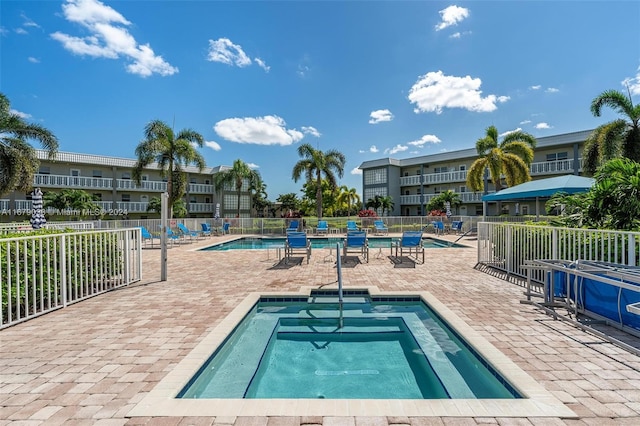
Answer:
(372, 79)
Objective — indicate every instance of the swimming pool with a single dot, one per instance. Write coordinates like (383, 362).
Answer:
(163, 399)
(262, 243)
(372, 348)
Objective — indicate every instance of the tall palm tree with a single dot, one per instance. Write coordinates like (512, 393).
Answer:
(511, 158)
(387, 204)
(236, 176)
(348, 197)
(619, 138)
(171, 152)
(314, 164)
(375, 203)
(18, 159)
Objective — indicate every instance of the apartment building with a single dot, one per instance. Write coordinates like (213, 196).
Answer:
(413, 182)
(109, 180)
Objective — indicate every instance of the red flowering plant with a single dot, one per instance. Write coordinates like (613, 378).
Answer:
(437, 213)
(367, 213)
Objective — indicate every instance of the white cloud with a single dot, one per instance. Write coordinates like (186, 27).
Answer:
(395, 149)
(525, 122)
(503, 99)
(213, 145)
(262, 64)
(356, 171)
(109, 38)
(20, 114)
(552, 90)
(452, 15)
(253, 166)
(267, 130)
(542, 126)
(536, 87)
(425, 140)
(373, 149)
(435, 91)
(380, 115)
(33, 60)
(21, 31)
(223, 50)
(309, 130)
(633, 83)
(28, 22)
(519, 129)
(4, 31)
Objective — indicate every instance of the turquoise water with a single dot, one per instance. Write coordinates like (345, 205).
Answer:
(385, 350)
(252, 243)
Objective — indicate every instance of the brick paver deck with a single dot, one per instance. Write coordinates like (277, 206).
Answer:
(91, 362)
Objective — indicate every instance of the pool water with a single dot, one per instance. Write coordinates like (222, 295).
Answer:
(252, 243)
(386, 348)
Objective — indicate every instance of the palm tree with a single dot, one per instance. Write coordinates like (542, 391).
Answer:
(314, 165)
(18, 159)
(439, 201)
(171, 152)
(511, 158)
(619, 138)
(387, 204)
(80, 202)
(236, 176)
(375, 203)
(348, 197)
(258, 191)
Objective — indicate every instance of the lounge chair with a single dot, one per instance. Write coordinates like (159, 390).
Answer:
(356, 241)
(438, 227)
(456, 226)
(225, 228)
(186, 232)
(351, 226)
(147, 237)
(323, 227)
(411, 242)
(296, 243)
(380, 228)
(293, 226)
(207, 231)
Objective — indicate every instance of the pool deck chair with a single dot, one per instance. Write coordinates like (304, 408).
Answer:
(356, 242)
(379, 228)
(438, 227)
(207, 231)
(147, 237)
(186, 232)
(351, 226)
(411, 242)
(225, 228)
(323, 227)
(293, 226)
(297, 243)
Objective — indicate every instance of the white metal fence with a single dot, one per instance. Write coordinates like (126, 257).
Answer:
(41, 273)
(510, 247)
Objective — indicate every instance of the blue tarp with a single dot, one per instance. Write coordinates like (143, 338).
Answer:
(570, 184)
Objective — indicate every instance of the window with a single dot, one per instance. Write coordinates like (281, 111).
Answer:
(207, 182)
(126, 175)
(192, 199)
(44, 170)
(75, 172)
(407, 192)
(440, 169)
(97, 196)
(192, 180)
(479, 211)
(462, 189)
(418, 191)
(97, 173)
(557, 156)
(525, 210)
(418, 172)
(406, 173)
(375, 176)
(126, 198)
(144, 177)
(462, 168)
(207, 200)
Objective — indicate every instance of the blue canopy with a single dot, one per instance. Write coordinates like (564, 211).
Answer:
(570, 184)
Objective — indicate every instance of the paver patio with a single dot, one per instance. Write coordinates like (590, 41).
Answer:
(92, 362)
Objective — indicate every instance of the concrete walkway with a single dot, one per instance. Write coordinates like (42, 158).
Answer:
(92, 362)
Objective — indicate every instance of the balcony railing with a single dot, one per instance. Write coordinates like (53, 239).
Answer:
(62, 181)
(200, 188)
(201, 207)
(465, 197)
(145, 185)
(540, 168)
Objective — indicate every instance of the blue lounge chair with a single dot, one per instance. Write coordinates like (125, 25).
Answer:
(456, 226)
(438, 227)
(206, 229)
(147, 237)
(411, 242)
(225, 228)
(351, 226)
(293, 226)
(186, 232)
(380, 228)
(323, 227)
(356, 241)
(296, 243)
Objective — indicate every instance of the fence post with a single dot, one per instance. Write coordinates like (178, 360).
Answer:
(554, 244)
(127, 255)
(509, 247)
(632, 250)
(63, 268)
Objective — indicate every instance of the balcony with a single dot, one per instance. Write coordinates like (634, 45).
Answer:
(145, 185)
(200, 188)
(62, 181)
(536, 169)
(465, 197)
(201, 207)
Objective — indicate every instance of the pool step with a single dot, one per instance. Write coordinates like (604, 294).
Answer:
(334, 299)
